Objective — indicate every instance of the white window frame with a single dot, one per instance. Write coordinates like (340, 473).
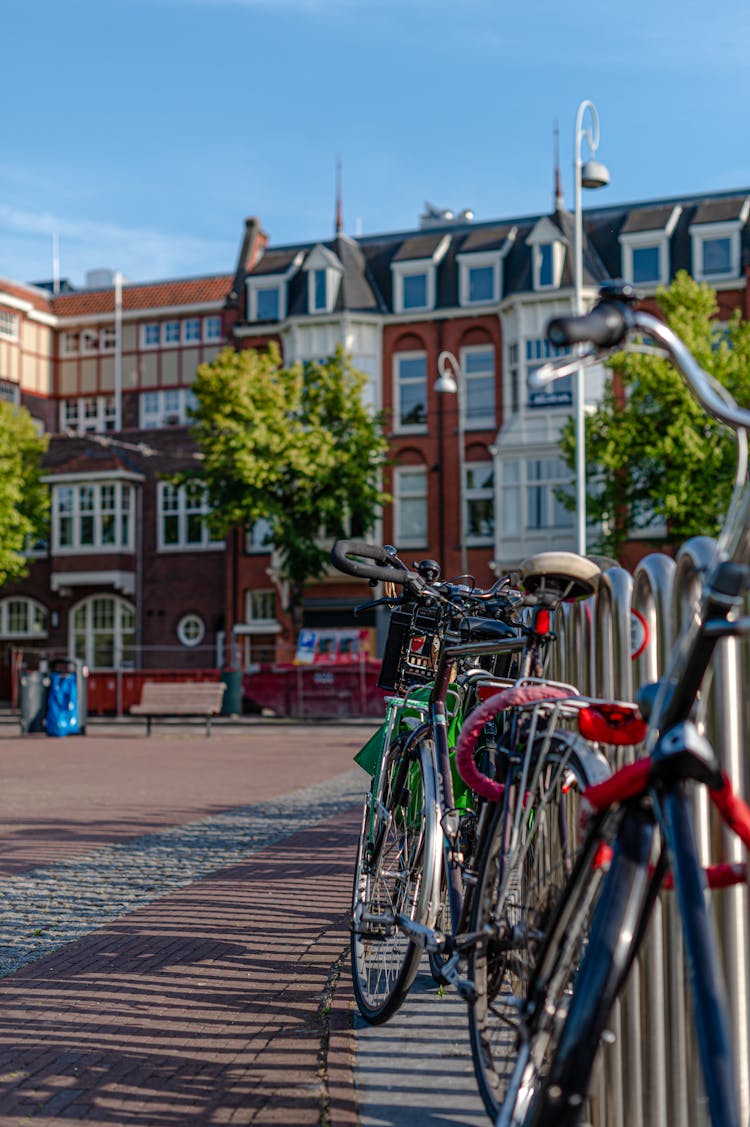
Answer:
(89, 341)
(268, 598)
(174, 501)
(645, 239)
(36, 618)
(121, 630)
(212, 330)
(258, 538)
(398, 381)
(702, 233)
(197, 329)
(515, 489)
(558, 256)
(108, 338)
(184, 627)
(478, 422)
(266, 282)
(411, 266)
(122, 510)
(76, 416)
(400, 497)
(164, 413)
(10, 325)
(329, 285)
(478, 493)
(469, 262)
(171, 334)
(145, 328)
(71, 343)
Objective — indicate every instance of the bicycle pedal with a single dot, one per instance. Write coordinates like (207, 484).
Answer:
(428, 938)
(464, 986)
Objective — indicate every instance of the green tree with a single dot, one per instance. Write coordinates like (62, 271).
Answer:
(652, 452)
(24, 497)
(295, 446)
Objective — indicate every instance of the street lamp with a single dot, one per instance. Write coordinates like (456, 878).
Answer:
(592, 174)
(450, 381)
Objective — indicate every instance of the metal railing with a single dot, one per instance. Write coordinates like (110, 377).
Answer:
(649, 1076)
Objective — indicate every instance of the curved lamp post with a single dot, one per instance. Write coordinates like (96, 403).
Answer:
(592, 174)
(450, 381)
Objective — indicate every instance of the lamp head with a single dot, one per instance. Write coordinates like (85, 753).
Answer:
(594, 174)
(445, 383)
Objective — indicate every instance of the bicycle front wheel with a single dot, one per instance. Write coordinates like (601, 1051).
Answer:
(530, 855)
(397, 873)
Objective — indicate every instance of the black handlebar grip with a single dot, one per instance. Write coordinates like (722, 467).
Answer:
(383, 567)
(604, 326)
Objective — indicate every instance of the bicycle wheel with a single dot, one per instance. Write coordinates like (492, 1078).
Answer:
(530, 855)
(397, 873)
(583, 961)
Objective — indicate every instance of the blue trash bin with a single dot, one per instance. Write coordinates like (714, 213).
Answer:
(62, 704)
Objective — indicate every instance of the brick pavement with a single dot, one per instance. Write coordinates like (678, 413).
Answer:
(216, 1003)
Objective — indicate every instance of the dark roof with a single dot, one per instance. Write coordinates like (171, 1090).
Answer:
(647, 219)
(419, 246)
(483, 239)
(719, 211)
(366, 261)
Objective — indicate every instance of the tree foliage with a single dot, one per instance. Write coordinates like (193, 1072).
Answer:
(652, 452)
(24, 498)
(295, 446)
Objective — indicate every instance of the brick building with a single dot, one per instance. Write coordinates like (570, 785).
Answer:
(130, 576)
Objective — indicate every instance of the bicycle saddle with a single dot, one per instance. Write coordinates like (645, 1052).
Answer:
(561, 576)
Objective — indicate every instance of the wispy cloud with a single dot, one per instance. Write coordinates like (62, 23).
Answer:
(140, 252)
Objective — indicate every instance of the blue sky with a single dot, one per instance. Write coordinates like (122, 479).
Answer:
(142, 132)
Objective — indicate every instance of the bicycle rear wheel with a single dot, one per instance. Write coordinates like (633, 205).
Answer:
(582, 964)
(530, 855)
(397, 873)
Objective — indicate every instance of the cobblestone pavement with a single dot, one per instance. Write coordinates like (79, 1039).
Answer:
(187, 975)
(174, 941)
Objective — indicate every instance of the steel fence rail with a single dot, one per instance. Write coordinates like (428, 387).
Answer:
(649, 1075)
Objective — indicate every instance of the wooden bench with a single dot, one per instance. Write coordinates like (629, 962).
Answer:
(172, 699)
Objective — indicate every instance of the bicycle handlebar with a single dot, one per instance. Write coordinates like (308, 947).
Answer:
(385, 567)
(607, 326)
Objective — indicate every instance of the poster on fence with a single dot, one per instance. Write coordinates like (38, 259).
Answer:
(332, 647)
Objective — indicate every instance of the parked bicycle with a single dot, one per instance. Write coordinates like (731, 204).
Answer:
(642, 836)
(423, 833)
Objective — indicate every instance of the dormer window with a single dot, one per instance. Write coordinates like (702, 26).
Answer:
(479, 279)
(545, 271)
(547, 244)
(716, 238)
(414, 291)
(324, 271)
(267, 304)
(319, 290)
(267, 287)
(414, 273)
(480, 266)
(644, 240)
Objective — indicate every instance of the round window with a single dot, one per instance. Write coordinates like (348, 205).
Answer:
(191, 629)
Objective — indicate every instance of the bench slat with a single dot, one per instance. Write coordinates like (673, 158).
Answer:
(180, 698)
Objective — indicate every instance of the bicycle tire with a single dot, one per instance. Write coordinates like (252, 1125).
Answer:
(402, 877)
(530, 855)
(583, 962)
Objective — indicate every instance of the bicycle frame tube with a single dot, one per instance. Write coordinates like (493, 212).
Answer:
(674, 814)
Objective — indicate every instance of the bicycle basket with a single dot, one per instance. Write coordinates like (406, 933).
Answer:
(411, 648)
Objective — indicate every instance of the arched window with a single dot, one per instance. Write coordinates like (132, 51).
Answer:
(21, 617)
(102, 632)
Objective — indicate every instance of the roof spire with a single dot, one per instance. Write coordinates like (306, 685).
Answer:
(339, 205)
(558, 197)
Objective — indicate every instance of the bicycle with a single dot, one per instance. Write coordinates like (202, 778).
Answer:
(418, 852)
(641, 836)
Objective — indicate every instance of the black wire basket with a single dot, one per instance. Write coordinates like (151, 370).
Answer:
(412, 647)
